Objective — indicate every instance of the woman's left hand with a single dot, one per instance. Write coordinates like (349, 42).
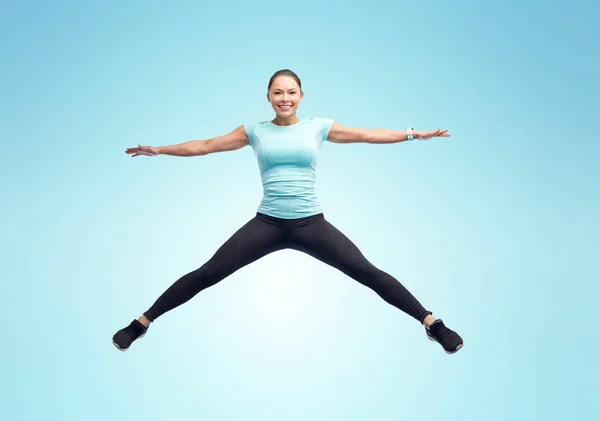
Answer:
(428, 135)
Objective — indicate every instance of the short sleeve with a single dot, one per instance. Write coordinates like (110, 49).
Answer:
(250, 128)
(324, 127)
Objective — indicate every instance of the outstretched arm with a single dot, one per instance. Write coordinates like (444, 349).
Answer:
(236, 139)
(343, 134)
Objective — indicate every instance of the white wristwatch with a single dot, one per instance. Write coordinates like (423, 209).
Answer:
(410, 133)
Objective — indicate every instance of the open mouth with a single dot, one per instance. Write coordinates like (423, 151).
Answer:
(284, 107)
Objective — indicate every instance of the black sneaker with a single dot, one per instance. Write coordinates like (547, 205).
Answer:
(125, 337)
(447, 338)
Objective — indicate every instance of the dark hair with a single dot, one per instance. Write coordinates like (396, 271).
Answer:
(284, 72)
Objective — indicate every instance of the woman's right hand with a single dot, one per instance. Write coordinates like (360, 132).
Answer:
(142, 150)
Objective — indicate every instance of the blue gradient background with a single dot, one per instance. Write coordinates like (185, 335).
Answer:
(495, 229)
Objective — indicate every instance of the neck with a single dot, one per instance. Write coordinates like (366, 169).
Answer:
(285, 121)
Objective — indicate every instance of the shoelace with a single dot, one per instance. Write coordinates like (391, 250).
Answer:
(444, 333)
(441, 333)
(133, 332)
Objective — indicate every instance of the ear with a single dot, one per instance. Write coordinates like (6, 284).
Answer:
(268, 99)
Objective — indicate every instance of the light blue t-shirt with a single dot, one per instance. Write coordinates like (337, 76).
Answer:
(287, 159)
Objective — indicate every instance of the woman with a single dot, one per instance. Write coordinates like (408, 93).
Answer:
(289, 215)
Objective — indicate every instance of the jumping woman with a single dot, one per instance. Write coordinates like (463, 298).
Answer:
(289, 215)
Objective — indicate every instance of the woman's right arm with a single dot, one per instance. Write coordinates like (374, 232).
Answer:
(234, 140)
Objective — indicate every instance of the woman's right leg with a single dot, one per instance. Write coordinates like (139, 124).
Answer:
(254, 240)
(257, 238)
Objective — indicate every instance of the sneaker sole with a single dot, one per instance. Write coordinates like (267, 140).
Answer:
(124, 349)
(447, 352)
(118, 347)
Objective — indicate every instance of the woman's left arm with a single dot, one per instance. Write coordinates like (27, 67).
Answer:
(342, 134)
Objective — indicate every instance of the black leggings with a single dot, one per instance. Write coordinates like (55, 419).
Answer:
(264, 234)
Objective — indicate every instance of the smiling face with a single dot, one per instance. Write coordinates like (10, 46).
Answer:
(285, 95)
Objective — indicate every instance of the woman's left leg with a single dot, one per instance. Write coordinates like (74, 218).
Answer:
(318, 238)
(321, 240)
